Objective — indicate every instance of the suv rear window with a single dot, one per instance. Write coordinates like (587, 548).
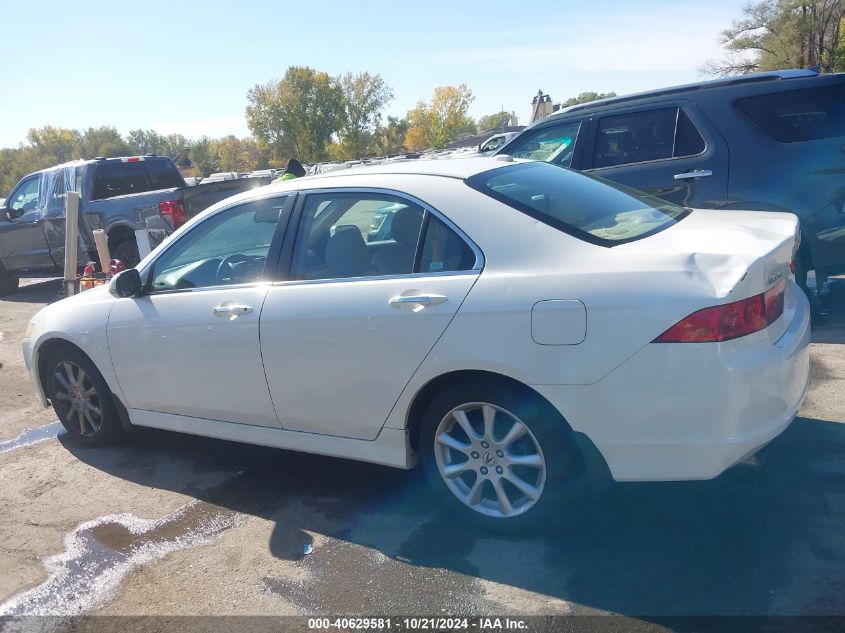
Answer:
(118, 178)
(798, 115)
(586, 207)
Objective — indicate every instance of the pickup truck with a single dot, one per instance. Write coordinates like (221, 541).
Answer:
(118, 195)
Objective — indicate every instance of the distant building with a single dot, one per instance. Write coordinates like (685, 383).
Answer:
(542, 106)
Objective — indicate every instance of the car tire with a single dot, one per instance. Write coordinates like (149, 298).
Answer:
(127, 252)
(81, 398)
(8, 282)
(546, 439)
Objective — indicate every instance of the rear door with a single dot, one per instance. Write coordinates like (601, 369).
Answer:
(23, 243)
(668, 150)
(362, 308)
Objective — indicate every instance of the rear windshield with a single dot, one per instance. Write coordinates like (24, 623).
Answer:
(118, 178)
(798, 115)
(589, 208)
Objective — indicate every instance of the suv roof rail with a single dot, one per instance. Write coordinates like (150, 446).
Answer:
(701, 85)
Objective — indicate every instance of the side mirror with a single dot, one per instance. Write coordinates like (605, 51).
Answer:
(126, 284)
(4, 214)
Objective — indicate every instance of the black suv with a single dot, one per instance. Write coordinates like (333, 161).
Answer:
(768, 141)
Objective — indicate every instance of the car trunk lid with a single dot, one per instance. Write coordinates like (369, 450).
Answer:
(731, 255)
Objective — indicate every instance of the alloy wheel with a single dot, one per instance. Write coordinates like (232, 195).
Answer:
(77, 398)
(490, 460)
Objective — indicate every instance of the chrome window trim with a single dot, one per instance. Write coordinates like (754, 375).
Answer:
(335, 280)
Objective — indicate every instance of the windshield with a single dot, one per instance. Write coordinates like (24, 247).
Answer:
(589, 208)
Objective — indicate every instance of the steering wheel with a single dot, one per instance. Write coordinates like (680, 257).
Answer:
(228, 267)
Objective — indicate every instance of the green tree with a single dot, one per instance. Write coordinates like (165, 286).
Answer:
(781, 34)
(586, 97)
(390, 138)
(55, 145)
(297, 115)
(364, 98)
(103, 141)
(203, 157)
(235, 154)
(493, 121)
(439, 121)
(147, 142)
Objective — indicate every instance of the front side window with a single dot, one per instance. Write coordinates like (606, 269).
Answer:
(639, 137)
(798, 115)
(493, 144)
(594, 210)
(228, 248)
(554, 144)
(25, 197)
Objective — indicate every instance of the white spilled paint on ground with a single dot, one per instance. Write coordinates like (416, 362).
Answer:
(32, 436)
(88, 573)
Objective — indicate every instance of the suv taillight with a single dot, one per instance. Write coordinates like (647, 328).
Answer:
(173, 209)
(728, 321)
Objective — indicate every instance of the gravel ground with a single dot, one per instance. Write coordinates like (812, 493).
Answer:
(171, 524)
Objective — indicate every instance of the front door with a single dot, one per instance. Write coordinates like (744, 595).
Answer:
(190, 345)
(669, 151)
(376, 279)
(22, 240)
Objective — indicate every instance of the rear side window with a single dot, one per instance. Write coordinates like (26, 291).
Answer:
(593, 210)
(639, 137)
(798, 115)
(163, 174)
(443, 250)
(118, 179)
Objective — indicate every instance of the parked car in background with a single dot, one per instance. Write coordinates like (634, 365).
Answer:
(497, 141)
(192, 181)
(768, 142)
(118, 195)
(522, 330)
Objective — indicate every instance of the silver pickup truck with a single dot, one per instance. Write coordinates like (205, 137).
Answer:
(118, 195)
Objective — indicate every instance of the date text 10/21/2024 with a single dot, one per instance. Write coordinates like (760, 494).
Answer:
(417, 623)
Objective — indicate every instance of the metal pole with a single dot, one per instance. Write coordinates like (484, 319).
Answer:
(71, 235)
(102, 249)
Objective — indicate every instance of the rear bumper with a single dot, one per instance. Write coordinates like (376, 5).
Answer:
(691, 411)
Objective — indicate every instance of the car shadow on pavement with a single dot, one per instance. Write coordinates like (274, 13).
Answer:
(753, 541)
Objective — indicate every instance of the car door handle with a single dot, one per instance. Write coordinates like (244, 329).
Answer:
(423, 300)
(695, 173)
(234, 310)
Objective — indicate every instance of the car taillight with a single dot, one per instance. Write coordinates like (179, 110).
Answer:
(728, 321)
(174, 210)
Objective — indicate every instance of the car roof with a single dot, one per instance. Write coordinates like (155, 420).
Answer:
(710, 84)
(460, 168)
(366, 176)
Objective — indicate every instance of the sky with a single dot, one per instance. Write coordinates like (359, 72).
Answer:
(186, 66)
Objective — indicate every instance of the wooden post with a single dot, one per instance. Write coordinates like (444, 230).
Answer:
(102, 249)
(71, 236)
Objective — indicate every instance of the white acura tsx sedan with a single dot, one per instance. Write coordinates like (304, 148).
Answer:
(515, 327)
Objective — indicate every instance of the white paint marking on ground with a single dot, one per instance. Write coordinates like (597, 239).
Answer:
(87, 574)
(32, 436)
